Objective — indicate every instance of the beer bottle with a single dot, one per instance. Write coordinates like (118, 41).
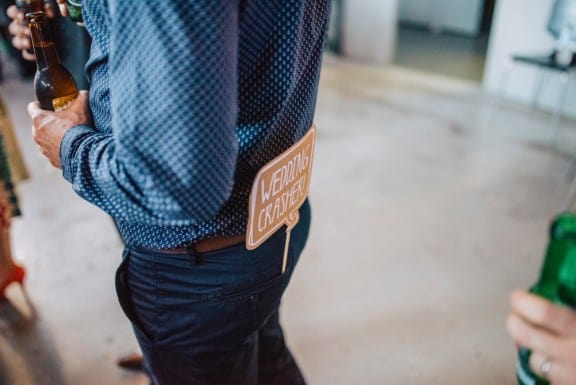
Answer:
(557, 282)
(27, 6)
(74, 8)
(55, 87)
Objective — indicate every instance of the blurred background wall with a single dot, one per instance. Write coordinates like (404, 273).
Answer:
(469, 39)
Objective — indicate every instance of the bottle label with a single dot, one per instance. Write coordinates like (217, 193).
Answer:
(63, 102)
(75, 3)
(524, 377)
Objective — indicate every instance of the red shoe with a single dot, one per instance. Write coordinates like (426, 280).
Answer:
(16, 275)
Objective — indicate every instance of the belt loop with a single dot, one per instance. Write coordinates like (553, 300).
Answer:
(192, 255)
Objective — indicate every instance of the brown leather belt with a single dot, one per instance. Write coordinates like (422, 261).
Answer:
(213, 244)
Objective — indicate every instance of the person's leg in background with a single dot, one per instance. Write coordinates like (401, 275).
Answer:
(12, 169)
(10, 272)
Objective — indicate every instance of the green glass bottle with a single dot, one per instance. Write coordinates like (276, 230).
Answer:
(74, 8)
(557, 282)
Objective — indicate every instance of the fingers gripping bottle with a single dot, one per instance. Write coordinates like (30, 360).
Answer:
(557, 282)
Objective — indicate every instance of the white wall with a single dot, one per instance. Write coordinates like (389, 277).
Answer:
(369, 30)
(519, 27)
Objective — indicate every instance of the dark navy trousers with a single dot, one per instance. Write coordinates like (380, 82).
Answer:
(212, 318)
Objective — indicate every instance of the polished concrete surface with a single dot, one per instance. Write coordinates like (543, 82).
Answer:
(430, 205)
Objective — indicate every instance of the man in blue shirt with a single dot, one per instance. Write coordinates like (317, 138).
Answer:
(188, 101)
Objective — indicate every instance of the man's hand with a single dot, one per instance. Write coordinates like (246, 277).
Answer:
(549, 331)
(19, 30)
(62, 6)
(48, 128)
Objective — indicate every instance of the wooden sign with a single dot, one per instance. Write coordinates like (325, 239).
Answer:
(278, 191)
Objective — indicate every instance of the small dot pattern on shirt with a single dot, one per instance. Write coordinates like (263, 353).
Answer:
(190, 100)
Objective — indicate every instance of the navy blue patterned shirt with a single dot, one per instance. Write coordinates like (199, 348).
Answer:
(190, 99)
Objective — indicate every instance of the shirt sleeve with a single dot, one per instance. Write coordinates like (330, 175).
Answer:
(171, 156)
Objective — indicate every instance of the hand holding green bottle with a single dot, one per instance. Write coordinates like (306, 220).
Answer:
(544, 323)
(72, 9)
(549, 331)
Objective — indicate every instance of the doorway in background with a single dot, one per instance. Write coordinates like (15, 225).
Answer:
(447, 37)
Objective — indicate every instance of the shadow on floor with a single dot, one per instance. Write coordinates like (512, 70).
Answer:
(27, 348)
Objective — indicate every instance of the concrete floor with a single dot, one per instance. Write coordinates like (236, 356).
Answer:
(429, 207)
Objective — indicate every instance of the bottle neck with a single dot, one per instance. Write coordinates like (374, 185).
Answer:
(44, 47)
(46, 55)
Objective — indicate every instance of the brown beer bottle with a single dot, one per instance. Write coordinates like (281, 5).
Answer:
(27, 6)
(55, 87)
